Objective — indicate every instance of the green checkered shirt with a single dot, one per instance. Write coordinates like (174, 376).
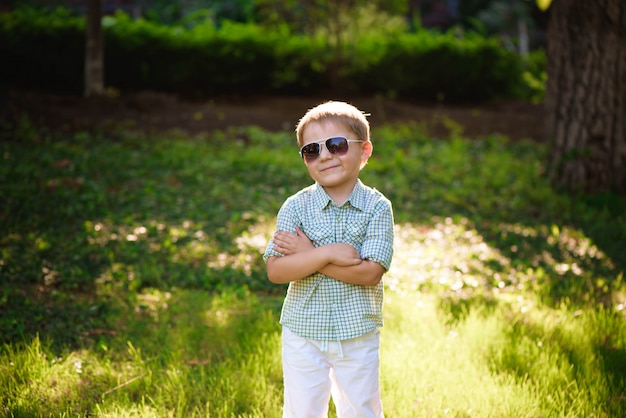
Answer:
(320, 307)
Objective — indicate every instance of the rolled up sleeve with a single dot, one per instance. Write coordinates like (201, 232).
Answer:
(378, 243)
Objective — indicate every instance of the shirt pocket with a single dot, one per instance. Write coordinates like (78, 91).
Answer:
(355, 232)
(319, 234)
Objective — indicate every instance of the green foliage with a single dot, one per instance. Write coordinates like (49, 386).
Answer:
(196, 354)
(132, 278)
(104, 220)
(511, 359)
(443, 67)
(170, 12)
(364, 51)
(313, 16)
(203, 60)
(534, 76)
(556, 247)
(142, 212)
(45, 49)
(222, 362)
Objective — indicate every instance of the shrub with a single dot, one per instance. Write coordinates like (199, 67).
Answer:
(144, 55)
(42, 50)
(429, 65)
(46, 51)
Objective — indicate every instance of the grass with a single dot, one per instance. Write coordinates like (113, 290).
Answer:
(133, 284)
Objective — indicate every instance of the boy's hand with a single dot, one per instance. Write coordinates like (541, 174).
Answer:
(339, 254)
(287, 243)
(343, 255)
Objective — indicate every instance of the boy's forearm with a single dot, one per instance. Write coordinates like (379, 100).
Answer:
(368, 273)
(296, 266)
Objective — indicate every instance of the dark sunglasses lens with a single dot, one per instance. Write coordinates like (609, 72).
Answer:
(311, 151)
(337, 145)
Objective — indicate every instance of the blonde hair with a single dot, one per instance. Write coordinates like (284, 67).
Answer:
(341, 113)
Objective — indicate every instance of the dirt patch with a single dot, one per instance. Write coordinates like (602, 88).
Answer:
(154, 111)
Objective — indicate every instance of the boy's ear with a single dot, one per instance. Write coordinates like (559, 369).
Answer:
(366, 152)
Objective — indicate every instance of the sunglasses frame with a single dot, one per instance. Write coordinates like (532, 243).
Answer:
(319, 148)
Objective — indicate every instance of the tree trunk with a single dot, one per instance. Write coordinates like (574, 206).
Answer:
(414, 13)
(94, 50)
(586, 95)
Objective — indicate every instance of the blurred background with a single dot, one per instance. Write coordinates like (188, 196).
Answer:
(432, 50)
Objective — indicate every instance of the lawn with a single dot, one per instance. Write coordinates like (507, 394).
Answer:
(133, 283)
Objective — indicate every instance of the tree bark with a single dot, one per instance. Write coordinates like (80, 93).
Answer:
(94, 50)
(586, 95)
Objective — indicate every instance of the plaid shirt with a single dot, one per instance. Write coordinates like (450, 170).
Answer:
(320, 307)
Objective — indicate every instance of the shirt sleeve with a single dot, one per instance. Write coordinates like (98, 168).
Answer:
(287, 220)
(378, 243)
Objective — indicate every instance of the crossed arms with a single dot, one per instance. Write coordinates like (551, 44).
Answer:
(301, 259)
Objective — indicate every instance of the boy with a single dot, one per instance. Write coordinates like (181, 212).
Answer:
(334, 242)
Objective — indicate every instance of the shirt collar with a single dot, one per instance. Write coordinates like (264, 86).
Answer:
(357, 198)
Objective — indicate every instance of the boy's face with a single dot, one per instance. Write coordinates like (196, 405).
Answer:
(333, 171)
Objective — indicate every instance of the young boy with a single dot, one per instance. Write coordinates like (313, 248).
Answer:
(334, 242)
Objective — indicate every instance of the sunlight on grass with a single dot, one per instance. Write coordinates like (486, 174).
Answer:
(219, 355)
(136, 286)
(428, 369)
(143, 252)
(453, 257)
(203, 354)
(492, 364)
(187, 352)
(449, 254)
(475, 356)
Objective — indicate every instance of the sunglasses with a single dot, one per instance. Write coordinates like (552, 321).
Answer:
(337, 145)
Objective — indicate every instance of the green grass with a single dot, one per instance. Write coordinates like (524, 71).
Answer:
(133, 283)
(497, 364)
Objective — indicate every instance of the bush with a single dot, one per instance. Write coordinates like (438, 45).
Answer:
(43, 50)
(47, 51)
(441, 66)
(143, 55)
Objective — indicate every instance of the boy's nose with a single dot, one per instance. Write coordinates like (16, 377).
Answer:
(324, 153)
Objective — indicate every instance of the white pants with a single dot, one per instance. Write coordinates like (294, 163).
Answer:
(348, 369)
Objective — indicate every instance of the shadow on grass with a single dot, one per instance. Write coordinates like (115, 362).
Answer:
(90, 218)
(575, 259)
(550, 348)
(615, 371)
(566, 347)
